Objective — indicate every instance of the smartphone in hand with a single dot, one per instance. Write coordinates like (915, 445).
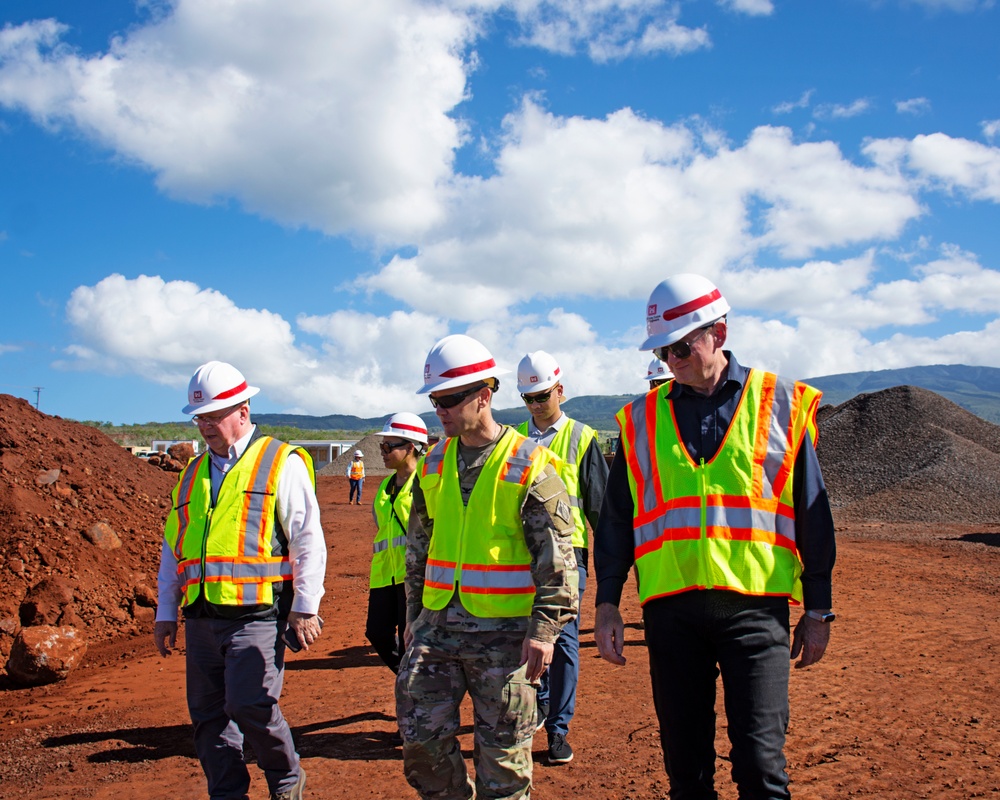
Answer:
(291, 639)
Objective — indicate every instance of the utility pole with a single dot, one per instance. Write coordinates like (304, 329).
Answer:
(38, 394)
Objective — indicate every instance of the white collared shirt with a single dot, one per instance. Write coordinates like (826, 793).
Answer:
(545, 437)
(298, 513)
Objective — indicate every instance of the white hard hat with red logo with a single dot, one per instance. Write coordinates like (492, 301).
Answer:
(406, 426)
(657, 371)
(537, 372)
(216, 385)
(458, 360)
(679, 305)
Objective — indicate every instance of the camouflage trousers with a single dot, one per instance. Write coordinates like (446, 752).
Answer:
(434, 676)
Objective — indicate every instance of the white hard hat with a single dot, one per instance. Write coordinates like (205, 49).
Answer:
(679, 305)
(358, 454)
(406, 426)
(537, 372)
(216, 385)
(657, 371)
(458, 360)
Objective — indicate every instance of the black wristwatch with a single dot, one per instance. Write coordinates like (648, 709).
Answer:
(821, 616)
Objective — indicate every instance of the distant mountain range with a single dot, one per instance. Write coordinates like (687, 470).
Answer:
(976, 389)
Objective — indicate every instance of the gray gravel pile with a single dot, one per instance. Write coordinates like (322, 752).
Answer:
(372, 458)
(909, 455)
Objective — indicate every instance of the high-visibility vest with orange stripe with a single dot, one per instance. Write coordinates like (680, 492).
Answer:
(479, 549)
(389, 547)
(570, 443)
(726, 523)
(232, 551)
(357, 470)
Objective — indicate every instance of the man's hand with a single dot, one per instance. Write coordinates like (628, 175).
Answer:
(536, 656)
(165, 636)
(306, 627)
(609, 633)
(810, 639)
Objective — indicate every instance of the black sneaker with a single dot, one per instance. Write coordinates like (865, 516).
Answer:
(559, 750)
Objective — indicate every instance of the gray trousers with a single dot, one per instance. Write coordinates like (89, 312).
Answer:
(235, 670)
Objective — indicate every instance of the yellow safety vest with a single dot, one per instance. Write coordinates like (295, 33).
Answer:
(728, 523)
(570, 443)
(480, 548)
(232, 551)
(389, 548)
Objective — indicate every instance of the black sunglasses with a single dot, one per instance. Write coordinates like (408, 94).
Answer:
(680, 349)
(385, 447)
(537, 398)
(452, 400)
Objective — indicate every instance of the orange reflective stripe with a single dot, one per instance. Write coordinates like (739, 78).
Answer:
(184, 491)
(760, 449)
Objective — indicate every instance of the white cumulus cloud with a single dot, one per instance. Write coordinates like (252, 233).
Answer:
(914, 106)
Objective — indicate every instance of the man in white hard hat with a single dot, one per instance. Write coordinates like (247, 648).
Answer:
(490, 581)
(356, 475)
(657, 373)
(585, 472)
(404, 438)
(717, 496)
(248, 571)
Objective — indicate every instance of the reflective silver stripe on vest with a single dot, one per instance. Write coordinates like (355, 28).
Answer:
(249, 573)
(183, 498)
(643, 454)
(519, 462)
(383, 545)
(777, 439)
(437, 573)
(250, 594)
(685, 523)
(575, 435)
(256, 495)
(434, 457)
(494, 579)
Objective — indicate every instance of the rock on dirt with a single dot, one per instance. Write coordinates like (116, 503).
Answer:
(45, 654)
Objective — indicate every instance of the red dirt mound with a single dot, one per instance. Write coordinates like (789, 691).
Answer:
(58, 480)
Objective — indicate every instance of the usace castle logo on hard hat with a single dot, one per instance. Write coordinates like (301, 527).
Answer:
(197, 395)
(534, 379)
(427, 370)
(651, 310)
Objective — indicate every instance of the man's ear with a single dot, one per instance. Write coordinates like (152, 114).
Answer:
(720, 332)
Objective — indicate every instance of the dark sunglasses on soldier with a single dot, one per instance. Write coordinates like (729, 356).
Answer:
(680, 349)
(538, 398)
(452, 400)
(387, 448)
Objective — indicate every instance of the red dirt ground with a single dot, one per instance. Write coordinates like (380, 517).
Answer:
(903, 706)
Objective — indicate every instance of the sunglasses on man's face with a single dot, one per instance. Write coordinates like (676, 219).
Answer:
(680, 349)
(538, 398)
(452, 400)
(388, 447)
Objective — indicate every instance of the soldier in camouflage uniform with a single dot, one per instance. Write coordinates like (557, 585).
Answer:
(485, 600)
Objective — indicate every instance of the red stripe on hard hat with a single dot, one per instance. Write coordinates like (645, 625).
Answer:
(556, 372)
(468, 370)
(401, 426)
(694, 305)
(232, 392)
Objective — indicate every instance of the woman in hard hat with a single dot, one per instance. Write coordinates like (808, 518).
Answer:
(403, 440)
(356, 475)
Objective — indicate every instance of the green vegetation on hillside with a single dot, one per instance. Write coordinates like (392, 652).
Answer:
(141, 435)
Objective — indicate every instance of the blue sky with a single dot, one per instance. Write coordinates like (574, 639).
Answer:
(319, 191)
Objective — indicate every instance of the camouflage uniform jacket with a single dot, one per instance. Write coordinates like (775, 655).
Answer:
(548, 528)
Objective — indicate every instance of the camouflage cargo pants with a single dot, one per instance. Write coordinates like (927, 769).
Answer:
(434, 676)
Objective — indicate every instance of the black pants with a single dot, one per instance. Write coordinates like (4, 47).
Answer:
(693, 637)
(386, 623)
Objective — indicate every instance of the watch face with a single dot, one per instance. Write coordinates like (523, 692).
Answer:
(829, 617)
